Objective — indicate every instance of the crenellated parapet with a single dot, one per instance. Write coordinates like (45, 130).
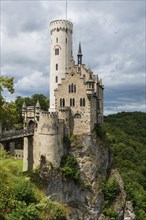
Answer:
(61, 25)
(48, 114)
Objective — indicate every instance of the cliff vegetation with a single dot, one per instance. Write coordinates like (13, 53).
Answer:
(126, 132)
(20, 198)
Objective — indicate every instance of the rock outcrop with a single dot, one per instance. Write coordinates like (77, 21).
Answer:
(84, 199)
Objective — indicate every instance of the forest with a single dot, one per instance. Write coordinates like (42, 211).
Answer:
(126, 132)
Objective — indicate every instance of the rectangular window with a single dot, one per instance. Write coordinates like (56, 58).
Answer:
(56, 66)
(57, 51)
(56, 79)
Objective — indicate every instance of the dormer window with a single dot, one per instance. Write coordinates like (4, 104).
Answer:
(72, 88)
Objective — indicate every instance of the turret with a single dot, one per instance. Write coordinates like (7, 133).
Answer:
(80, 54)
(24, 109)
(61, 53)
(37, 109)
(90, 86)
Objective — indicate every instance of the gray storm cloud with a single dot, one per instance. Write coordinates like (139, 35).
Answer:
(113, 44)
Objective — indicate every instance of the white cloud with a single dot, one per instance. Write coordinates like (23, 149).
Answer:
(113, 41)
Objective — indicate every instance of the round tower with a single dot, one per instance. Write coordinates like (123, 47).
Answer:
(61, 53)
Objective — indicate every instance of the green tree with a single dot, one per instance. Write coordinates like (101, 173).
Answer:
(126, 133)
(8, 115)
(6, 82)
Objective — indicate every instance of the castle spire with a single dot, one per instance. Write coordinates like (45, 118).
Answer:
(37, 104)
(80, 54)
(24, 105)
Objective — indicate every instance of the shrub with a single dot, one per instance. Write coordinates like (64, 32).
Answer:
(99, 131)
(24, 212)
(69, 167)
(110, 213)
(73, 138)
(110, 189)
(51, 210)
(24, 191)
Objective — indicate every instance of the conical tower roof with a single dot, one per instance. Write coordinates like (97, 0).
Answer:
(24, 105)
(37, 104)
(79, 50)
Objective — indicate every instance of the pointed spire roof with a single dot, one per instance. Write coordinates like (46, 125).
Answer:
(79, 50)
(37, 104)
(24, 105)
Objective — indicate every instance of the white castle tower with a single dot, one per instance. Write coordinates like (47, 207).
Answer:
(61, 53)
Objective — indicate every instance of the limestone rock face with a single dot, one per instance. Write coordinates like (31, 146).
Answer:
(129, 212)
(84, 199)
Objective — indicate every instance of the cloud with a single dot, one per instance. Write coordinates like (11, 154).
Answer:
(112, 34)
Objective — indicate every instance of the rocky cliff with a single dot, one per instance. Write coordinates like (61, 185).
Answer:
(84, 198)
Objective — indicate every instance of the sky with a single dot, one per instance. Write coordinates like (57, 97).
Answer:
(113, 38)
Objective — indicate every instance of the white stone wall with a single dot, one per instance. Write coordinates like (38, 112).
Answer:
(61, 38)
(48, 140)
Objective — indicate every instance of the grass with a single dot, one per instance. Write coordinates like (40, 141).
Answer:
(19, 163)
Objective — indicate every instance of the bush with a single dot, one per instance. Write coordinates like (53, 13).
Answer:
(51, 210)
(100, 132)
(24, 212)
(69, 167)
(24, 191)
(110, 213)
(110, 189)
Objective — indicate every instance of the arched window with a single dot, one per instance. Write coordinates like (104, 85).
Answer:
(56, 79)
(73, 103)
(83, 101)
(60, 102)
(77, 116)
(57, 40)
(74, 88)
(56, 66)
(70, 102)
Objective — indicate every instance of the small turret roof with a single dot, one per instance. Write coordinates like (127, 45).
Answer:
(24, 105)
(90, 80)
(37, 104)
(79, 50)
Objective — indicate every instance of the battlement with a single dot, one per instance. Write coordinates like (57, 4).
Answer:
(64, 109)
(49, 114)
(63, 25)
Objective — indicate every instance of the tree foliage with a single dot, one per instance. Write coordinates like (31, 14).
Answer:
(110, 189)
(126, 132)
(20, 199)
(69, 167)
(8, 83)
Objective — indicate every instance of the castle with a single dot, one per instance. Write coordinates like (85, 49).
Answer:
(76, 102)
